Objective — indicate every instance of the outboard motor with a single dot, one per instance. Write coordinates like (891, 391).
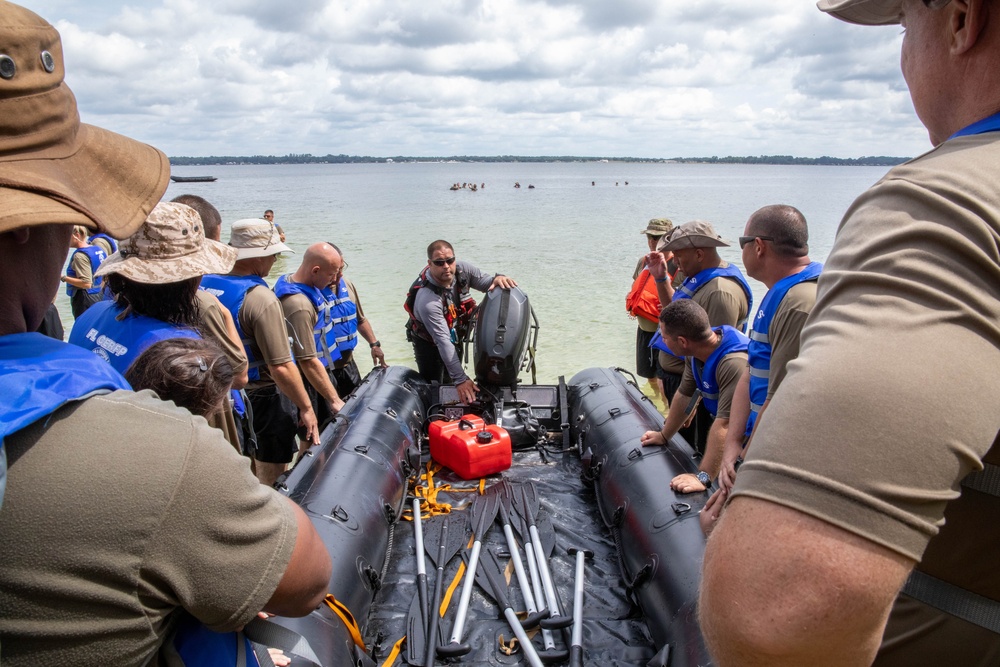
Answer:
(503, 327)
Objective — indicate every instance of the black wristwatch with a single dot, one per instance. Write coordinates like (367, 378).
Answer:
(374, 345)
(704, 478)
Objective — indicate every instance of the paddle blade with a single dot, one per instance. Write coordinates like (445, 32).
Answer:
(435, 535)
(416, 634)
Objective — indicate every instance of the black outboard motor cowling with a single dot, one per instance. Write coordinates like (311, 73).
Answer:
(503, 324)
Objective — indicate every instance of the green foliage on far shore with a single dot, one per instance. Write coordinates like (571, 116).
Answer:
(306, 158)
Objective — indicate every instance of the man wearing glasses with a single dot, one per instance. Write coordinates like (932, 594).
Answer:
(440, 315)
(863, 524)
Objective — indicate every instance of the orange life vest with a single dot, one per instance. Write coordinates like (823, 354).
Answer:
(643, 300)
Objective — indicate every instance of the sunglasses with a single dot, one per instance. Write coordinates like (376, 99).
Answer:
(443, 262)
(744, 240)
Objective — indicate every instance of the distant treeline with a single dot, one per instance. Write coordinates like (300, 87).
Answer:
(306, 158)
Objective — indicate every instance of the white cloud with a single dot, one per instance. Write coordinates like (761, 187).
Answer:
(638, 78)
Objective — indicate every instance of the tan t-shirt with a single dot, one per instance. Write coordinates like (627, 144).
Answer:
(262, 319)
(213, 324)
(80, 263)
(725, 302)
(727, 374)
(300, 314)
(893, 398)
(120, 509)
(786, 330)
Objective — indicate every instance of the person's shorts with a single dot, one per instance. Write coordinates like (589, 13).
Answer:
(275, 421)
(324, 415)
(646, 362)
(346, 378)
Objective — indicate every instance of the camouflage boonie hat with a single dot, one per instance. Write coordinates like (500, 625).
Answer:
(658, 227)
(169, 247)
(694, 234)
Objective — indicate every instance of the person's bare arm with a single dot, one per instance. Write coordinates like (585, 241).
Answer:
(689, 483)
(307, 576)
(289, 382)
(780, 588)
(658, 269)
(738, 416)
(672, 424)
(316, 375)
(77, 282)
(378, 356)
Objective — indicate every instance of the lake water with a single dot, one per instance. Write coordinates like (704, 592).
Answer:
(571, 246)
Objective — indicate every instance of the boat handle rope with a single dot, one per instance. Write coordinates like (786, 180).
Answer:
(345, 615)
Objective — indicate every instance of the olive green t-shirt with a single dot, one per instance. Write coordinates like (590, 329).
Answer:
(786, 329)
(300, 314)
(262, 319)
(893, 398)
(727, 374)
(213, 324)
(119, 509)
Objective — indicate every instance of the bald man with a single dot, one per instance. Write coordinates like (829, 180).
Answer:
(324, 316)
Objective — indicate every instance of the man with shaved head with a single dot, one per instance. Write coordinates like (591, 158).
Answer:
(863, 523)
(324, 318)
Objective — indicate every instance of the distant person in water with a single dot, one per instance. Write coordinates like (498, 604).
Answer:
(269, 216)
(440, 308)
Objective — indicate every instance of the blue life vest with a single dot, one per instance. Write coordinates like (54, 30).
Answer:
(760, 343)
(111, 242)
(96, 257)
(690, 287)
(324, 338)
(194, 645)
(231, 291)
(343, 316)
(708, 384)
(39, 375)
(120, 342)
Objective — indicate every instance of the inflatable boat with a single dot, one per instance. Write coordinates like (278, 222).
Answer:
(620, 550)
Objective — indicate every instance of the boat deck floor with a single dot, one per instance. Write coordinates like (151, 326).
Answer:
(614, 632)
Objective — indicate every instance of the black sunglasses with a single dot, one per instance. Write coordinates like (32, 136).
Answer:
(442, 262)
(744, 240)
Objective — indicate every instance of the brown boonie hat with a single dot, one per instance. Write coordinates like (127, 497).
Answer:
(254, 237)
(658, 227)
(864, 12)
(53, 168)
(694, 234)
(168, 248)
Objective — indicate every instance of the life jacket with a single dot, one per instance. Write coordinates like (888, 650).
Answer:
(231, 291)
(458, 316)
(39, 375)
(110, 241)
(643, 300)
(343, 316)
(760, 344)
(120, 342)
(96, 257)
(323, 335)
(690, 287)
(191, 644)
(732, 341)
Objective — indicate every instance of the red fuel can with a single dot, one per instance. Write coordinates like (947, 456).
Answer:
(469, 446)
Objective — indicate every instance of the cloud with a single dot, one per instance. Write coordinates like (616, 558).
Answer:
(637, 78)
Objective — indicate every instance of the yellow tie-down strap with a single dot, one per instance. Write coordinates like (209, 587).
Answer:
(427, 490)
(347, 617)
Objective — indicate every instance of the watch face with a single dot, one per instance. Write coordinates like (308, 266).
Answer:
(704, 478)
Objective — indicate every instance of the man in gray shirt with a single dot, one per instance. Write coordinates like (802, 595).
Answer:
(440, 308)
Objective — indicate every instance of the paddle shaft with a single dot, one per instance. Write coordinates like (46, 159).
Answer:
(421, 563)
(522, 636)
(438, 587)
(467, 586)
(522, 577)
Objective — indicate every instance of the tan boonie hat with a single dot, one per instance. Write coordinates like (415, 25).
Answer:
(658, 227)
(54, 169)
(254, 237)
(694, 234)
(864, 12)
(168, 248)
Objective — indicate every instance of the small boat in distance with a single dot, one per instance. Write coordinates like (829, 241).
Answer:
(193, 179)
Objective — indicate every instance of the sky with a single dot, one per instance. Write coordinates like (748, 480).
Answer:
(607, 78)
